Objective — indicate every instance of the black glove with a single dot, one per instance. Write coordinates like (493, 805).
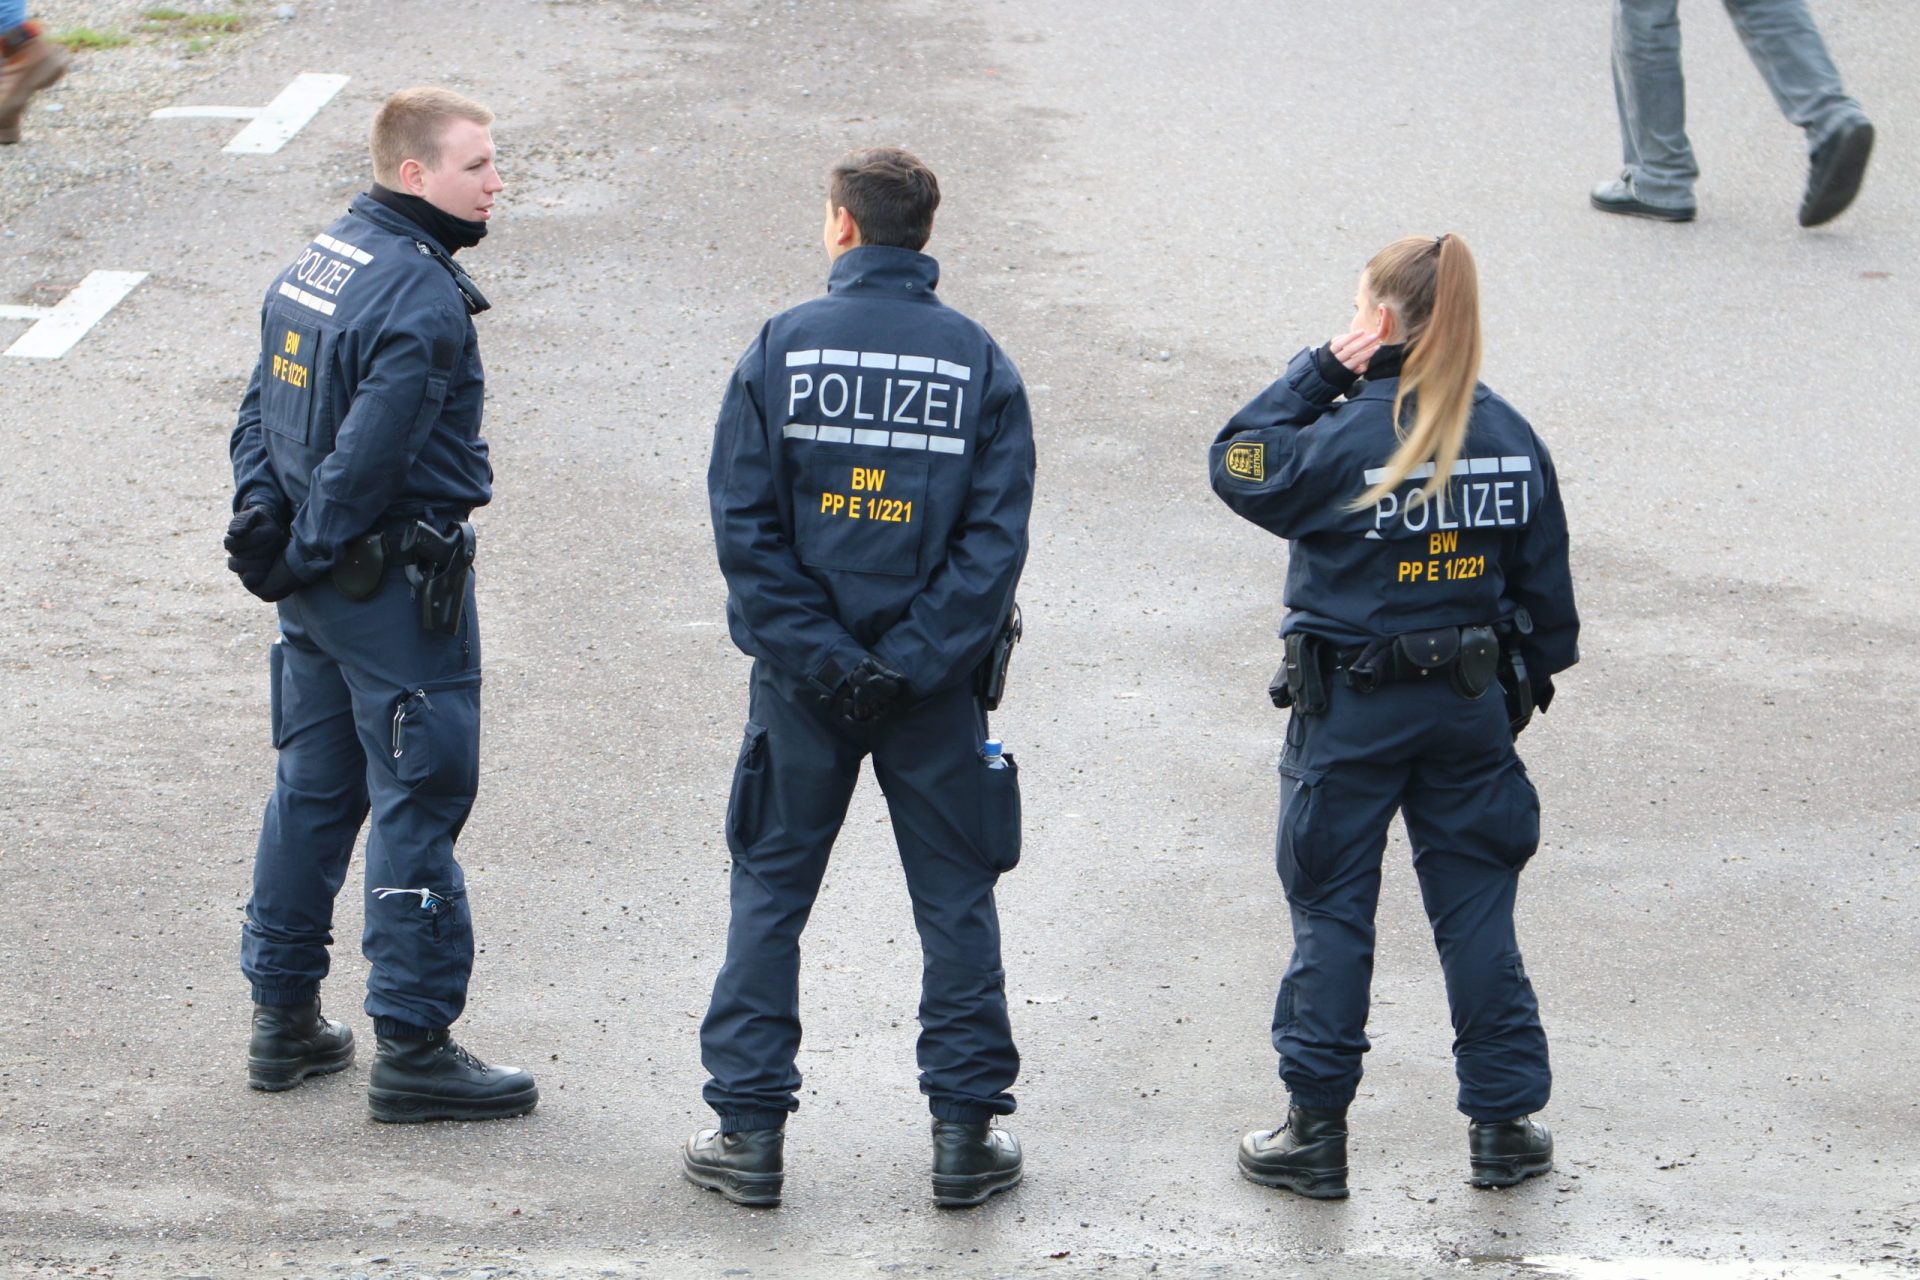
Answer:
(870, 691)
(271, 580)
(254, 534)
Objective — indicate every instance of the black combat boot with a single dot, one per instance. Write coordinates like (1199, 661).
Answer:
(1503, 1152)
(1307, 1154)
(747, 1167)
(435, 1079)
(292, 1042)
(972, 1162)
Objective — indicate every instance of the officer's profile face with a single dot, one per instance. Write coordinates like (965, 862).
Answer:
(465, 181)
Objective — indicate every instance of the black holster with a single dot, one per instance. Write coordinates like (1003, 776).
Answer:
(439, 574)
(990, 677)
(1302, 678)
(1517, 688)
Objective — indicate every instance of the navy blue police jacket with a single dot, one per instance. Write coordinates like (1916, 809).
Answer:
(366, 399)
(1493, 542)
(871, 479)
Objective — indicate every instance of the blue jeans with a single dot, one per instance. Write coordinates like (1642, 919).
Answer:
(1651, 94)
(12, 14)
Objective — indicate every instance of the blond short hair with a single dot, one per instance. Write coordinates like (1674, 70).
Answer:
(412, 124)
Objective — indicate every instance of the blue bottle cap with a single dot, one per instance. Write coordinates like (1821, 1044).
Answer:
(991, 747)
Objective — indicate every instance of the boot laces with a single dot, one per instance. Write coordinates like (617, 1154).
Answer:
(461, 1052)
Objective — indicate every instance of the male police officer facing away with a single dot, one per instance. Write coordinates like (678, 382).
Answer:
(871, 478)
(357, 460)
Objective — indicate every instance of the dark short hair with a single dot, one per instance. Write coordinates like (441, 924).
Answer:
(890, 194)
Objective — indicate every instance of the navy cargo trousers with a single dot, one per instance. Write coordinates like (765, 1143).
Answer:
(371, 714)
(1447, 764)
(957, 824)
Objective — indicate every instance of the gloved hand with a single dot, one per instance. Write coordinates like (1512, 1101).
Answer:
(271, 580)
(870, 691)
(255, 533)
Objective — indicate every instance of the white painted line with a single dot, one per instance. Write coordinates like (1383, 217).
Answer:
(287, 114)
(22, 313)
(205, 113)
(59, 328)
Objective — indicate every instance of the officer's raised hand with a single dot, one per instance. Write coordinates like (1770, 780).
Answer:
(869, 692)
(1355, 349)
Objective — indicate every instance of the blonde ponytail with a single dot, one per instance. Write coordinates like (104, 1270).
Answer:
(1434, 288)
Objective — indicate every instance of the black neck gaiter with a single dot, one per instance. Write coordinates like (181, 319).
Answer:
(454, 234)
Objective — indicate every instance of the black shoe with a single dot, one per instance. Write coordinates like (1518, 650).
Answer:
(1307, 1154)
(972, 1162)
(1618, 196)
(746, 1167)
(436, 1079)
(293, 1042)
(1504, 1152)
(1835, 172)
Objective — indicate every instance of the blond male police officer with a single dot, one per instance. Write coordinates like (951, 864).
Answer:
(357, 461)
(871, 478)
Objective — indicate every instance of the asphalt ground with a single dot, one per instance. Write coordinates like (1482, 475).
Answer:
(1152, 206)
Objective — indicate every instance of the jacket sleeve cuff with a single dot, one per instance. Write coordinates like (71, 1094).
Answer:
(845, 655)
(1335, 376)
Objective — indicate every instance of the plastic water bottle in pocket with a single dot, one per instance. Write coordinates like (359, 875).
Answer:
(992, 752)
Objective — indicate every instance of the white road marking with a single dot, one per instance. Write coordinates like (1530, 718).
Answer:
(57, 328)
(273, 126)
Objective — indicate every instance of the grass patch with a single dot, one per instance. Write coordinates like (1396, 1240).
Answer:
(169, 21)
(92, 38)
(219, 23)
(197, 45)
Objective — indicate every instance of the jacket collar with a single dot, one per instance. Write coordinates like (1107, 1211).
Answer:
(875, 268)
(365, 206)
(1382, 381)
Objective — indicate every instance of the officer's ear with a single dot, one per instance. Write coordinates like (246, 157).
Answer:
(1387, 322)
(846, 232)
(413, 177)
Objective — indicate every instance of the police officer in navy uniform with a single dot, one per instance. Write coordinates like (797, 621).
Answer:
(357, 460)
(1429, 605)
(870, 483)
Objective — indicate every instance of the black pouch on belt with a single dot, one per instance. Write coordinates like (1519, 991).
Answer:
(1306, 674)
(990, 677)
(1422, 654)
(358, 572)
(439, 574)
(1518, 688)
(1479, 661)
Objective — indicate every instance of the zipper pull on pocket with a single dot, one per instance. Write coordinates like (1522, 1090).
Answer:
(400, 714)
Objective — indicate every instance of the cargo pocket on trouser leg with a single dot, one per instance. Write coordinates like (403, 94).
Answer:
(1000, 814)
(1507, 825)
(436, 736)
(747, 801)
(420, 938)
(1294, 842)
(276, 672)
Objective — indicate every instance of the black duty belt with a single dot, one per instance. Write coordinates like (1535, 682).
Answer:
(1467, 657)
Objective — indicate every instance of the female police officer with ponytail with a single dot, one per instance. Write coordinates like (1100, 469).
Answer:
(1429, 604)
